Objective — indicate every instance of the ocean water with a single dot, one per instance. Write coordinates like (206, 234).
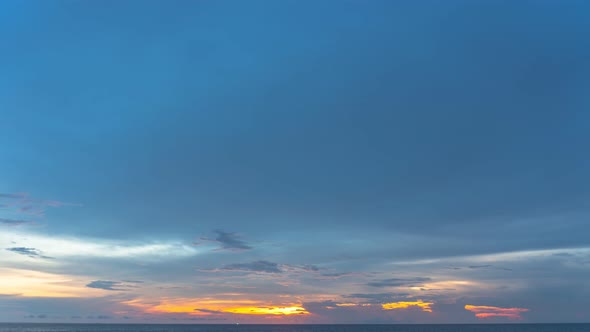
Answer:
(294, 328)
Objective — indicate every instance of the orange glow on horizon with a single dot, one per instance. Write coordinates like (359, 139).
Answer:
(207, 307)
(425, 306)
(482, 311)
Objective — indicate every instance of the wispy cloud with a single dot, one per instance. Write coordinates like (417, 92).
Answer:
(23, 203)
(298, 268)
(376, 297)
(310, 268)
(209, 311)
(29, 252)
(67, 247)
(227, 241)
(397, 282)
(257, 266)
(13, 222)
(482, 311)
(106, 285)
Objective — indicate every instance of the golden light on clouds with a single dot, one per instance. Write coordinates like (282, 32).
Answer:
(346, 304)
(425, 306)
(294, 310)
(451, 285)
(482, 311)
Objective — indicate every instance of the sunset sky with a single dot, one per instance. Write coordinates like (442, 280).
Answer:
(310, 161)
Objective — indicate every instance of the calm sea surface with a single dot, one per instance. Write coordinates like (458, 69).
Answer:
(294, 328)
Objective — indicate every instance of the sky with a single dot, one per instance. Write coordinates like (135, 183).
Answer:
(294, 161)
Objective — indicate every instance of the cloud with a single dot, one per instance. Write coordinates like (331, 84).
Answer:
(228, 241)
(375, 297)
(13, 196)
(13, 222)
(204, 318)
(425, 306)
(257, 266)
(30, 252)
(486, 266)
(299, 268)
(23, 203)
(310, 268)
(106, 285)
(482, 311)
(72, 247)
(313, 306)
(335, 274)
(396, 282)
(209, 311)
(267, 267)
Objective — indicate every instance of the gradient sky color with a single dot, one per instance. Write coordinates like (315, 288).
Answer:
(294, 161)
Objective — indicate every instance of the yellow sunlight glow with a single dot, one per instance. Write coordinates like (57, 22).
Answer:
(295, 310)
(425, 306)
(30, 283)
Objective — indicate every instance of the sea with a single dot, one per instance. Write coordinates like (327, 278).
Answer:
(21, 327)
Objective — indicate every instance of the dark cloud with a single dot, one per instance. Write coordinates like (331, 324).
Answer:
(257, 266)
(30, 252)
(299, 268)
(209, 311)
(13, 222)
(199, 319)
(396, 282)
(376, 297)
(310, 268)
(106, 285)
(314, 306)
(478, 266)
(335, 274)
(229, 241)
(473, 267)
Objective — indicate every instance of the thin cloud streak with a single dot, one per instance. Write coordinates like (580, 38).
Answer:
(29, 252)
(482, 311)
(14, 222)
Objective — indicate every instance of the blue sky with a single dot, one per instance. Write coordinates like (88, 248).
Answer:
(338, 161)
